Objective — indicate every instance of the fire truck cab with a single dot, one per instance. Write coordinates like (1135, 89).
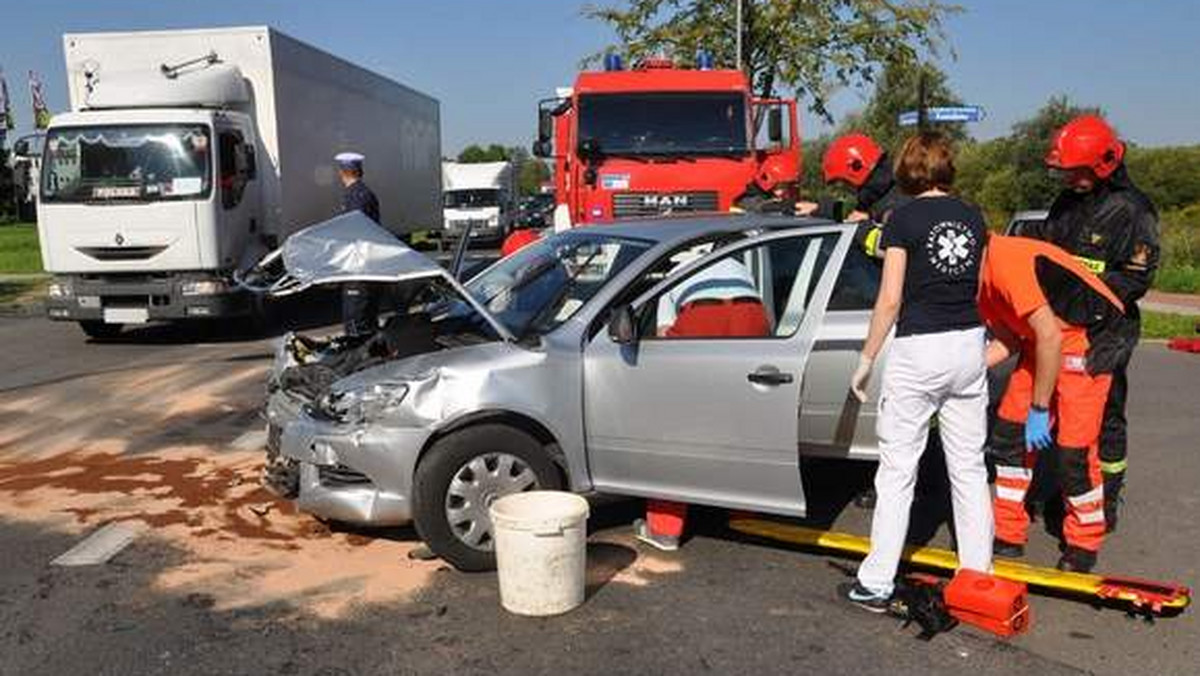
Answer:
(658, 138)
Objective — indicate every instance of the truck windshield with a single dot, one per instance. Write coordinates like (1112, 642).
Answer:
(470, 199)
(541, 286)
(127, 163)
(687, 123)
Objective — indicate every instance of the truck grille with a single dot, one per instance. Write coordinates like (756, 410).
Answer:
(627, 204)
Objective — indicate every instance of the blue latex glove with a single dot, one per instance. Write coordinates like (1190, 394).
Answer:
(1037, 429)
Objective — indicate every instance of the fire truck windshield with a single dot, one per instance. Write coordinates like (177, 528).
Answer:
(676, 123)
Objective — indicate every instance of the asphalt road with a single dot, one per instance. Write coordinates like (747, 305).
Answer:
(210, 588)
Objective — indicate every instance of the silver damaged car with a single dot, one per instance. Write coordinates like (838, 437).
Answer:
(597, 360)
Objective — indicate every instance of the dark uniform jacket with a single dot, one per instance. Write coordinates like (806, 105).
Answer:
(358, 197)
(1113, 230)
(879, 196)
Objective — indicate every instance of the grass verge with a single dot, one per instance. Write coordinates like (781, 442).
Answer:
(1167, 325)
(1178, 279)
(15, 293)
(19, 252)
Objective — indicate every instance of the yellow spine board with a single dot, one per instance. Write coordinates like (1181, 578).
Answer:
(1079, 583)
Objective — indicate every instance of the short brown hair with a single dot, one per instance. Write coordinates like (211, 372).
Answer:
(926, 162)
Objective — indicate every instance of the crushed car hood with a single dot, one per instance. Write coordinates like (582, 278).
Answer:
(353, 248)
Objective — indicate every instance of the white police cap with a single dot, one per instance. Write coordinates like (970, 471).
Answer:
(349, 160)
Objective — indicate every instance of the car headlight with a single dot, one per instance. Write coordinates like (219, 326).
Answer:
(205, 287)
(361, 404)
(59, 290)
(493, 221)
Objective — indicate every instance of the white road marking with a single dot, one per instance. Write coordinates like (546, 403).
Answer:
(254, 440)
(101, 545)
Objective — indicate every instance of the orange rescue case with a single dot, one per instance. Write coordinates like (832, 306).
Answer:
(993, 604)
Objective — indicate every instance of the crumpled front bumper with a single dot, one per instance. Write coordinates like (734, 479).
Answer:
(360, 474)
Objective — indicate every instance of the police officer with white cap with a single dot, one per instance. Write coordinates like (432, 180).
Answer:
(360, 302)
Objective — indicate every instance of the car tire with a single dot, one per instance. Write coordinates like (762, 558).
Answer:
(99, 330)
(507, 458)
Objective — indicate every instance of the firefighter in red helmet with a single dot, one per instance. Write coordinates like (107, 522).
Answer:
(1102, 219)
(857, 162)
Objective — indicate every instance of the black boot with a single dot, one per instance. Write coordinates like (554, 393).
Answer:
(1007, 550)
(1112, 499)
(1076, 560)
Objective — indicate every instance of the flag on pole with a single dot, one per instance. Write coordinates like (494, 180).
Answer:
(41, 114)
(6, 116)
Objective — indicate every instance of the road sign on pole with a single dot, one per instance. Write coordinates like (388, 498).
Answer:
(943, 114)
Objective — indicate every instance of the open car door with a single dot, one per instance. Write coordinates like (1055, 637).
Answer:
(686, 411)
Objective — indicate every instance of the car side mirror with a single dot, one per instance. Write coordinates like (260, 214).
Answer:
(21, 148)
(622, 326)
(775, 125)
(543, 148)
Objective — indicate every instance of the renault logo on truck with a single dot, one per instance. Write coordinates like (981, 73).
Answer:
(663, 202)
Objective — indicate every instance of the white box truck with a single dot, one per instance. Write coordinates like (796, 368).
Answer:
(481, 195)
(187, 154)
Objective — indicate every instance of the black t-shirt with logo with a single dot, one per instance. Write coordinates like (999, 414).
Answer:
(944, 238)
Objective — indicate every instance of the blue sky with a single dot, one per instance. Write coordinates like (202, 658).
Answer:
(488, 61)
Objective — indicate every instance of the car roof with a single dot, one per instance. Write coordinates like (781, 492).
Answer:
(664, 229)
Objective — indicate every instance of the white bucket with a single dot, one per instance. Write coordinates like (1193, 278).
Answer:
(541, 551)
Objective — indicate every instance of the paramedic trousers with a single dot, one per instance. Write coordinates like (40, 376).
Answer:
(943, 374)
(1077, 410)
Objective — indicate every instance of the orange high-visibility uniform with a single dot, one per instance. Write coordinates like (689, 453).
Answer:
(1019, 276)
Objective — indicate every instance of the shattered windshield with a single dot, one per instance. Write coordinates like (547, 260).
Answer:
(684, 123)
(543, 285)
(127, 163)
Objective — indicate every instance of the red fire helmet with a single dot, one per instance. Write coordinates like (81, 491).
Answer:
(851, 158)
(1086, 141)
(518, 240)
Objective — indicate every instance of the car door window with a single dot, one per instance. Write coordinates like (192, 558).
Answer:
(857, 284)
(234, 166)
(758, 291)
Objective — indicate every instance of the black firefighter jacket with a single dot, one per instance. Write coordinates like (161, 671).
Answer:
(1113, 230)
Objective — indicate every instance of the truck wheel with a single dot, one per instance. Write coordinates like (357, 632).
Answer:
(98, 330)
(461, 475)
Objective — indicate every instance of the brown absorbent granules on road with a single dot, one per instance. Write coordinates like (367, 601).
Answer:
(246, 546)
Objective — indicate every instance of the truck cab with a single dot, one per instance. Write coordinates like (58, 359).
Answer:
(659, 139)
(144, 215)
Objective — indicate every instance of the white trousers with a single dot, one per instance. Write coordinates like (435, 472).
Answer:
(943, 374)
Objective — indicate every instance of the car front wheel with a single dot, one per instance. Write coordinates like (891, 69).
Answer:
(461, 476)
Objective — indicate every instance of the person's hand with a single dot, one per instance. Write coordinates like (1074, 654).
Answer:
(805, 208)
(857, 216)
(1037, 429)
(858, 382)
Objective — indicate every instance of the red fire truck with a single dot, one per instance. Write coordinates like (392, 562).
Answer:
(658, 138)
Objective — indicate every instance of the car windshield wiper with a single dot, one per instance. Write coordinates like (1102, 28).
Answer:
(558, 297)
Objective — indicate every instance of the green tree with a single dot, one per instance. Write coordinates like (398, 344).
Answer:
(897, 91)
(475, 153)
(812, 47)
(530, 172)
(1169, 176)
(1009, 174)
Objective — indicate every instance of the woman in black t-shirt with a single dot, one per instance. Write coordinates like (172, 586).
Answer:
(933, 249)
